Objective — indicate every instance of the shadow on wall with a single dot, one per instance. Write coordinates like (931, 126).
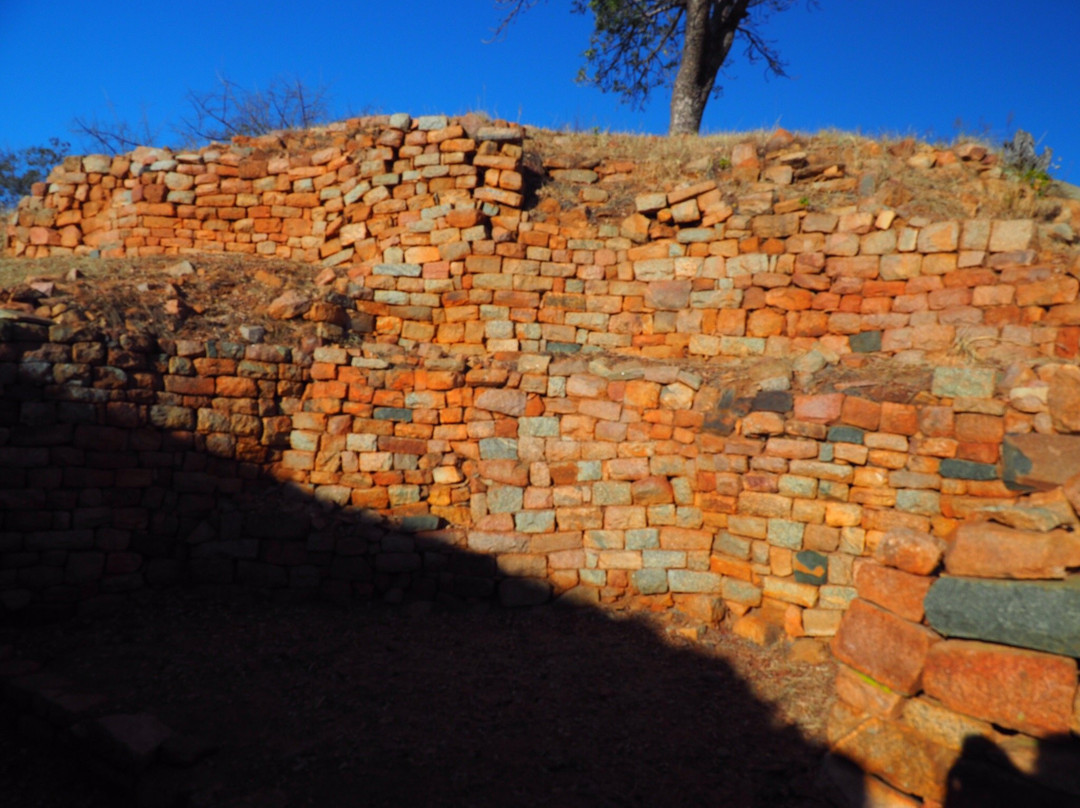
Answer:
(456, 707)
(460, 706)
(985, 776)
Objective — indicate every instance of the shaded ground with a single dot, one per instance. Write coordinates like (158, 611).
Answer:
(416, 705)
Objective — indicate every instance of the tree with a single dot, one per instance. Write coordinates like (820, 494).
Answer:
(20, 169)
(231, 110)
(219, 115)
(639, 45)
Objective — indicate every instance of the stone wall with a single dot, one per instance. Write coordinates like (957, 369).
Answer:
(426, 216)
(690, 407)
(958, 682)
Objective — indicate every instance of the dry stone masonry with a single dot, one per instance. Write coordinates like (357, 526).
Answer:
(686, 408)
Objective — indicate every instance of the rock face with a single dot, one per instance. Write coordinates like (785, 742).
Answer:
(1042, 615)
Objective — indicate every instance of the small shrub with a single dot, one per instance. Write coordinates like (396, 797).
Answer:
(1020, 156)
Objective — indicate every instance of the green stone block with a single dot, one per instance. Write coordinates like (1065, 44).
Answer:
(734, 546)
(865, 342)
(563, 347)
(918, 501)
(418, 524)
(393, 414)
(846, 434)
(741, 592)
(690, 581)
(967, 470)
(773, 401)
(534, 521)
(498, 449)
(538, 427)
(785, 533)
(811, 567)
(650, 582)
(964, 382)
(647, 538)
(1041, 615)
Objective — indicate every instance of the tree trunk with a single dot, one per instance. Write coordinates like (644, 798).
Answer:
(708, 36)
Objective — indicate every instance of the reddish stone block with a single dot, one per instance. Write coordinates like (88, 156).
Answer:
(913, 551)
(866, 695)
(977, 428)
(936, 422)
(1029, 691)
(900, 419)
(789, 298)
(861, 412)
(823, 408)
(652, 491)
(989, 550)
(883, 646)
(902, 593)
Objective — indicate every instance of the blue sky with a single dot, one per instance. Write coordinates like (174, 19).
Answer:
(920, 67)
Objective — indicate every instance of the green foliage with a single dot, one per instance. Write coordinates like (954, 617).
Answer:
(639, 45)
(20, 169)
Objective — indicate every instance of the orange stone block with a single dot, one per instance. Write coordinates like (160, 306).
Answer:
(902, 593)
(1029, 691)
(861, 412)
(900, 419)
(883, 646)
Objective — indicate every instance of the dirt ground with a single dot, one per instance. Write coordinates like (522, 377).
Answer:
(424, 705)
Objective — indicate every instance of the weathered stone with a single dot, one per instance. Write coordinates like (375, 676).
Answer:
(884, 646)
(955, 382)
(650, 581)
(498, 449)
(1025, 517)
(692, 581)
(900, 592)
(942, 726)
(900, 756)
(1024, 690)
(910, 550)
(668, 295)
(508, 402)
(988, 550)
(867, 695)
(810, 567)
(955, 469)
(650, 203)
(789, 591)
(865, 342)
(779, 401)
(289, 305)
(1011, 235)
(1041, 615)
(1040, 462)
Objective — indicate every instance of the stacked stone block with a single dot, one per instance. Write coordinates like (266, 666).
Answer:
(425, 217)
(958, 682)
(532, 404)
